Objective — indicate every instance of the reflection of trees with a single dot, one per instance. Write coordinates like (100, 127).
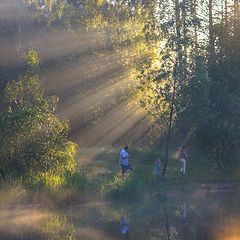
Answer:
(148, 218)
(33, 227)
(166, 221)
(171, 219)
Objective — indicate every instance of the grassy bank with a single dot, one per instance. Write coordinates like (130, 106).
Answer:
(98, 176)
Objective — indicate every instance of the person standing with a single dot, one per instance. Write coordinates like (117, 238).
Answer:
(183, 157)
(158, 167)
(124, 226)
(124, 160)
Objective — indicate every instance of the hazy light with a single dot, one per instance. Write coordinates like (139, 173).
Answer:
(15, 219)
(115, 125)
(89, 75)
(228, 229)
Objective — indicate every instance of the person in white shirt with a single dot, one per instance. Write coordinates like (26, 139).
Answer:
(124, 160)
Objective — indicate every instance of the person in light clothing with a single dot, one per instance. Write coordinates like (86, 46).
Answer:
(183, 157)
(124, 160)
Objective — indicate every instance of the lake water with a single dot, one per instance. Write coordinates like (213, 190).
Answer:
(205, 213)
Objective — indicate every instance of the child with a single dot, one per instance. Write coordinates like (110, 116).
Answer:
(124, 226)
(158, 167)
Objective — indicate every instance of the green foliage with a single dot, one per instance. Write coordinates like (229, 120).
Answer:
(204, 99)
(156, 88)
(207, 88)
(32, 59)
(118, 186)
(52, 178)
(48, 10)
(219, 131)
(33, 140)
(194, 104)
(79, 181)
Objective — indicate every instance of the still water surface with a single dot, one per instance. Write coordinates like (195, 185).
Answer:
(185, 215)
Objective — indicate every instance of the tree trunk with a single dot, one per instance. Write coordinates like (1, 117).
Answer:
(218, 158)
(211, 35)
(3, 174)
(170, 120)
(178, 30)
(166, 221)
(169, 130)
(194, 15)
(184, 15)
(226, 14)
(236, 17)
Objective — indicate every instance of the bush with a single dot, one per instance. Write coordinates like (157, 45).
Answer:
(118, 186)
(34, 142)
(79, 181)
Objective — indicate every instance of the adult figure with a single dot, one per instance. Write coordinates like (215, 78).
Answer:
(183, 157)
(124, 160)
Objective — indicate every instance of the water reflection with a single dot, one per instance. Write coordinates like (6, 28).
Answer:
(183, 215)
(34, 223)
(180, 216)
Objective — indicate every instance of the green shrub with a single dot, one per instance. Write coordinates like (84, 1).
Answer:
(78, 181)
(34, 141)
(118, 186)
(55, 177)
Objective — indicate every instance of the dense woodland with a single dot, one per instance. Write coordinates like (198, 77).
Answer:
(179, 60)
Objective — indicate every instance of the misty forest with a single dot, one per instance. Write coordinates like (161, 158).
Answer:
(119, 119)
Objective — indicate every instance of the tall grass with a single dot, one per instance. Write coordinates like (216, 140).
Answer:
(121, 186)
